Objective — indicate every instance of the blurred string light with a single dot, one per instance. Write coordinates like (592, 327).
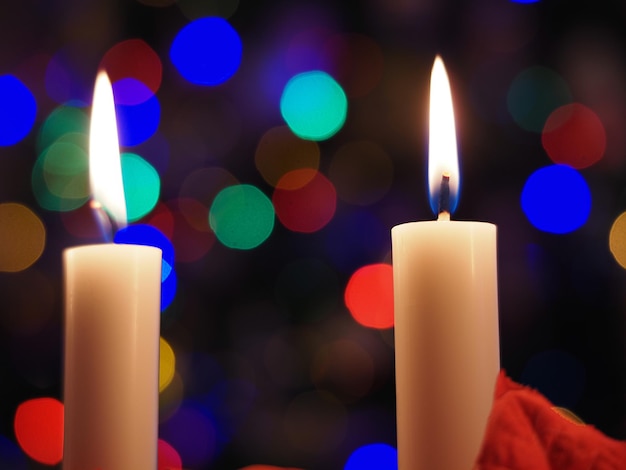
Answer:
(314, 105)
(59, 177)
(168, 457)
(38, 426)
(167, 364)
(139, 121)
(279, 151)
(574, 135)
(133, 59)
(207, 51)
(191, 431)
(63, 79)
(11, 455)
(617, 239)
(558, 375)
(556, 199)
(142, 186)
(369, 296)
(142, 234)
(22, 237)
(241, 216)
(304, 200)
(18, 110)
(378, 456)
(534, 94)
(362, 172)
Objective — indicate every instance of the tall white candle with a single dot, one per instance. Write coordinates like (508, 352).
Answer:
(112, 317)
(446, 315)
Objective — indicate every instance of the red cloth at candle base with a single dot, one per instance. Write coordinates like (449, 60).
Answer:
(526, 432)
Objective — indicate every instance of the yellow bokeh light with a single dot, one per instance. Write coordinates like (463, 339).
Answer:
(167, 364)
(617, 240)
(22, 237)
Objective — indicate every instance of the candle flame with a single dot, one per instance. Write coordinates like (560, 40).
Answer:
(443, 163)
(105, 167)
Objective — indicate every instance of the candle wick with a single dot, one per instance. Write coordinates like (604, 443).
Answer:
(102, 220)
(444, 198)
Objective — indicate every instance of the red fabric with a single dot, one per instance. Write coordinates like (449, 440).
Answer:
(525, 432)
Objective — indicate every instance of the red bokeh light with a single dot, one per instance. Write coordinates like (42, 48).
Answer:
(39, 429)
(369, 296)
(168, 457)
(304, 207)
(574, 135)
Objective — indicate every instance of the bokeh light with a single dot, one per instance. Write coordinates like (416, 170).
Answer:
(64, 78)
(314, 105)
(168, 458)
(377, 456)
(190, 232)
(534, 94)
(136, 122)
(241, 216)
(190, 430)
(142, 186)
(133, 58)
(279, 151)
(38, 428)
(18, 110)
(11, 456)
(61, 121)
(362, 172)
(207, 51)
(167, 364)
(574, 135)
(558, 375)
(22, 237)
(556, 199)
(305, 200)
(617, 239)
(369, 296)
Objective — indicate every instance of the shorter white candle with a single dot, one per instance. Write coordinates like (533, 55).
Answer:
(446, 316)
(112, 318)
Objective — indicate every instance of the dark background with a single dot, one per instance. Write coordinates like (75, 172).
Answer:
(257, 353)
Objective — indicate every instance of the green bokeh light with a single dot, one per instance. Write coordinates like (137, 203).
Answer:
(241, 216)
(63, 120)
(142, 186)
(534, 94)
(314, 105)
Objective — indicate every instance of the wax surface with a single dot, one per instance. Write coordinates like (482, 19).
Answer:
(112, 318)
(446, 340)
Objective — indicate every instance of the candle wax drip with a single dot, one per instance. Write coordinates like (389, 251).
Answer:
(444, 198)
(103, 220)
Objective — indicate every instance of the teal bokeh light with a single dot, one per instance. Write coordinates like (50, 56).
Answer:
(314, 105)
(241, 216)
(142, 186)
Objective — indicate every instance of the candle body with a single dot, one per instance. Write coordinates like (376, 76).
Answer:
(446, 341)
(112, 321)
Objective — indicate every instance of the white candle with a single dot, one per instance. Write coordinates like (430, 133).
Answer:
(446, 316)
(112, 317)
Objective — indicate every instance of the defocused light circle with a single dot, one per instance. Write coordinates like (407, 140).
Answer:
(167, 364)
(39, 429)
(142, 186)
(168, 458)
(369, 296)
(22, 237)
(373, 457)
(207, 51)
(241, 216)
(617, 240)
(556, 199)
(574, 135)
(138, 122)
(18, 109)
(314, 105)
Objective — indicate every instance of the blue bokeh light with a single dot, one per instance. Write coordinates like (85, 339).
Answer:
(11, 456)
(373, 457)
(556, 199)
(138, 122)
(18, 109)
(207, 51)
